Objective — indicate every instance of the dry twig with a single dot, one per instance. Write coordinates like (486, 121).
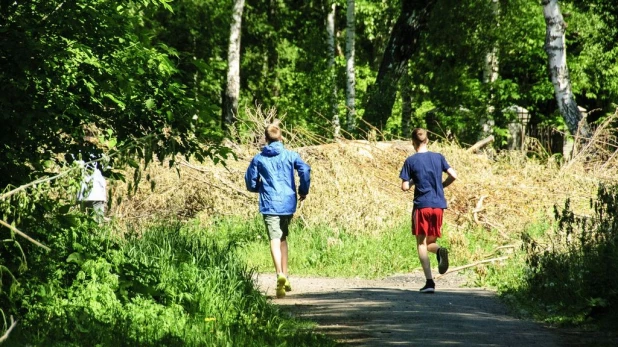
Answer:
(476, 263)
(8, 331)
(22, 234)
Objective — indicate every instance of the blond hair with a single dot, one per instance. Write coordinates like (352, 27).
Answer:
(272, 133)
(419, 136)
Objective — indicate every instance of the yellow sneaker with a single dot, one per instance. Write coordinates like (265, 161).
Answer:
(288, 286)
(280, 292)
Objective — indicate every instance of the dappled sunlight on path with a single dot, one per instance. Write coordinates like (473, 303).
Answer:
(383, 313)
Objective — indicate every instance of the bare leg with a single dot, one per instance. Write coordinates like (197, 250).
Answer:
(275, 252)
(421, 246)
(284, 257)
(432, 246)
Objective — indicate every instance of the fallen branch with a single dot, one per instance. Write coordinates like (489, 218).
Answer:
(500, 248)
(498, 229)
(476, 263)
(478, 208)
(481, 144)
(8, 331)
(33, 183)
(24, 235)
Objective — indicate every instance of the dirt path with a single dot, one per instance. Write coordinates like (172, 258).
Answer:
(392, 312)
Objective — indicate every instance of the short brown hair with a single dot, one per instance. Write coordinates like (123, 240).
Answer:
(272, 133)
(419, 135)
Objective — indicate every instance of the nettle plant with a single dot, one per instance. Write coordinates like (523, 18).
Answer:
(572, 274)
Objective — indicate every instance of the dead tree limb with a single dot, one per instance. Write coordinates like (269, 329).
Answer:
(18, 232)
(476, 263)
(478, 208)
(481, 144)
(8, 331)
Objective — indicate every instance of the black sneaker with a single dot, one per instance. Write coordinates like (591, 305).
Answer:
(442, 260)
(429, 288)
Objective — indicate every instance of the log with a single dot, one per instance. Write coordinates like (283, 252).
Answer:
(481, 144)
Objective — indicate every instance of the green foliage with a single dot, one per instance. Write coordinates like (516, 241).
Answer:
(166, 285)
(593, 67)
(570, 279)
(199, 32)
(79, 71)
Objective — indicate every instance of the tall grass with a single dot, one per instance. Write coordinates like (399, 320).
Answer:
(321, 250)
(169, 285)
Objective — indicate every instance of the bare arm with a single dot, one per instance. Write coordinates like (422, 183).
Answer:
(405, 185)
(452, 176)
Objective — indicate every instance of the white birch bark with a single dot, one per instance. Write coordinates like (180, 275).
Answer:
(350, 98)
(232, 90)
(555, 48)
(330, 29)
(491, 73)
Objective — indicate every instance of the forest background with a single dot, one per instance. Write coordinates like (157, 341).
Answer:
(134, 81)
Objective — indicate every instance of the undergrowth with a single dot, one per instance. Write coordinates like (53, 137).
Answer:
(564, 272)
(167, 285)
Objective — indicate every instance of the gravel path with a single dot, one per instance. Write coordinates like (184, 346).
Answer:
(391, 312)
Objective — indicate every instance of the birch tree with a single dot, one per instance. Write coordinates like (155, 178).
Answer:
(492, 67)
(330, 29)
(232, 89)
(555, 48)
(491, 70)
(350, 94)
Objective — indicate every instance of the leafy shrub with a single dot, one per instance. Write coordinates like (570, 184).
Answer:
(573, 277)
(166, 286)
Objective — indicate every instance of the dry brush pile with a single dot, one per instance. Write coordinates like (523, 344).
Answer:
(355, 185)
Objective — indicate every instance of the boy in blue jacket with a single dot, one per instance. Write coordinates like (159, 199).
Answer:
(271, 174)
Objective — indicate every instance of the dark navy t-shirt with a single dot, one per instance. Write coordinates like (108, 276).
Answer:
(425, 170)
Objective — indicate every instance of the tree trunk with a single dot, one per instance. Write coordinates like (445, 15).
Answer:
(406, 106)
(402, 44)
(350, 94)
(232, 89)
(556, 53)
(330, 29)
(490, 73)
(492, 66)
(490, 76)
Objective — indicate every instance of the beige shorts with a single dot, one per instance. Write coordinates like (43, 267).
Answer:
(277, 226)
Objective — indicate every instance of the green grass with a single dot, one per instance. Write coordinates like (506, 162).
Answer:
(169, 285)
(324, 251)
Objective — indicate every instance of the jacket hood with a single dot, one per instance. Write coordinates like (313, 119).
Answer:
(273, 149)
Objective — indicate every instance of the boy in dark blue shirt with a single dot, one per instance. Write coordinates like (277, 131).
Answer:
(424, 169)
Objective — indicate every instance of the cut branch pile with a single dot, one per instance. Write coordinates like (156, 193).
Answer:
(356, 185)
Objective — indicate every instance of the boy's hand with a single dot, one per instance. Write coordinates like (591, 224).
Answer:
(302, 197)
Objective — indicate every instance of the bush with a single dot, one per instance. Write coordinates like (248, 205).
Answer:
(167, 285)
(573, 277)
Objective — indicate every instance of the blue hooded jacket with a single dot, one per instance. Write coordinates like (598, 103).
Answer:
(271, 173)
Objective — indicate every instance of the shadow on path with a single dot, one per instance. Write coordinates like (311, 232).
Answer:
(373, 316)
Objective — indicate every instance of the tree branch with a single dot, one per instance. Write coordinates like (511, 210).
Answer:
(52, 12)
(24, 235)
(476, 263)
(8, 331)
(33, 183)
(480, 144)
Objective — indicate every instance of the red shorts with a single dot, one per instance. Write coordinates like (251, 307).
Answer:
(427, 221)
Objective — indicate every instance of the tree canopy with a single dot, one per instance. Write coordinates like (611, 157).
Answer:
(119, 71)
